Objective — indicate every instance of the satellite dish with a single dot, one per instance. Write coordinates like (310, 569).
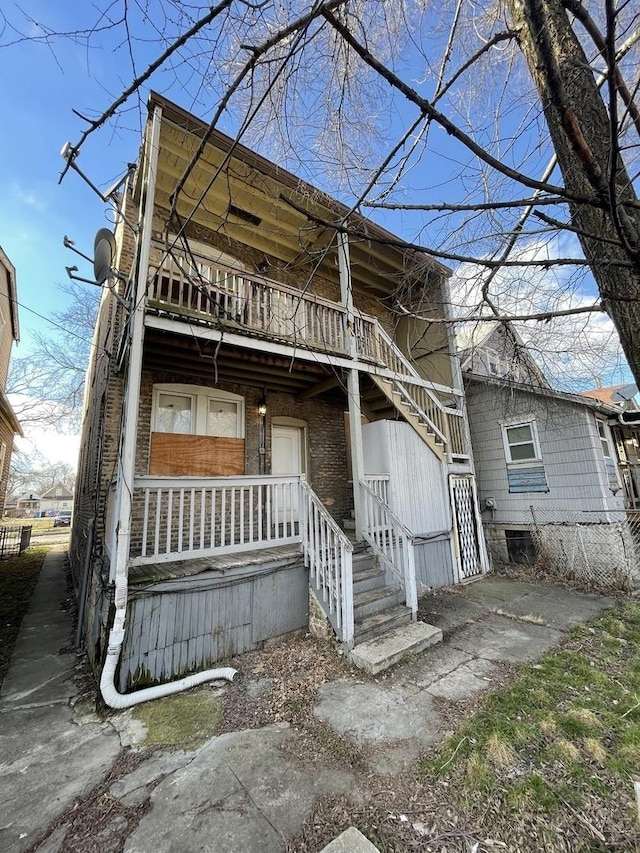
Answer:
(104, 250)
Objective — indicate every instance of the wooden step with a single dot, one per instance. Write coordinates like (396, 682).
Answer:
(370, 577)
(375, 601)
(379, 623)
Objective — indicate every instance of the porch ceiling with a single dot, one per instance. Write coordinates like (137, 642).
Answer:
(247, 198)
(201, 359)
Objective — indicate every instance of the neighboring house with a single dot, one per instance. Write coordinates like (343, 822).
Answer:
(56, 498)
(542, 457)
(28, 506)
(250, 392)
(9, 332)
(625, 429)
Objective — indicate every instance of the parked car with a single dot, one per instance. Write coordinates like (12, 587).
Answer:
(62, 518)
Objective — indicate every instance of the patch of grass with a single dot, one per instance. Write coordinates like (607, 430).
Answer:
(560, 739)
(39, 526)
(18, 577)
(499, 751)
(182, 721)
(533, 793)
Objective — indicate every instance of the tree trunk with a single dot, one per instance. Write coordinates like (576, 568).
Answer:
(608, 227)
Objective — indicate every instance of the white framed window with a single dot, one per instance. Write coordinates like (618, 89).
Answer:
(197, 410)
(174, 412)
(604, 439)
(521, 443)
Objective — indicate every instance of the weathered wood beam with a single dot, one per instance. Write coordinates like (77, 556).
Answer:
(320, 388)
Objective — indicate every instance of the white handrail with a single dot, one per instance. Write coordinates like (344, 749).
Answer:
(328, 555)
(392, 542)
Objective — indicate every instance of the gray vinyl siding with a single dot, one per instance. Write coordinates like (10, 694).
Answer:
(569, 445)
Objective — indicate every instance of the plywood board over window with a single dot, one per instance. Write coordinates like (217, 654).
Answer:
(178, 455)
(196, 431)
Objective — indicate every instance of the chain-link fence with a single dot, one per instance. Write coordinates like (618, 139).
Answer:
(599, 548)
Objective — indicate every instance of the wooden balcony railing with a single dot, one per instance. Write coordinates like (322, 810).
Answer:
(211, 291)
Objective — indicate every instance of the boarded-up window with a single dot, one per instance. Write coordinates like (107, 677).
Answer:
(196, 431)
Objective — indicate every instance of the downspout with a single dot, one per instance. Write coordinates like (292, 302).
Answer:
(110, 694)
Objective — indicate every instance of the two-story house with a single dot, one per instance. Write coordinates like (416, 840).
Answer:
(265, 441)
(9, 332)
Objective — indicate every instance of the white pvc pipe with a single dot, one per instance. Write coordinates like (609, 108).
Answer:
(114, 699)
(110, 694)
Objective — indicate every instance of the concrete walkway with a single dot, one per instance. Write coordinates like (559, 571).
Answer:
(46, 759)
(241, 791)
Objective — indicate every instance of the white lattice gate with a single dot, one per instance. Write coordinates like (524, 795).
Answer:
(467, 528)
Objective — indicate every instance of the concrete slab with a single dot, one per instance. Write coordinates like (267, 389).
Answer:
(48, 680)
(560, 608)
(240, 791)
(383, 652)
(423, 671)
(350, 841)
(467, 679)
(135, 787)
(500, 639)
(47, 761)
(374, 712)
(489, 590)
(450, 611)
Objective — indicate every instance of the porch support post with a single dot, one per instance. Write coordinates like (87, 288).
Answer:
(353, 382)
(357, 458)
(126, 472)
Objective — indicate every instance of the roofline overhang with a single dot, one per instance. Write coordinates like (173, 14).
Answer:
(7, 409)
(577, 399)
(376, 232)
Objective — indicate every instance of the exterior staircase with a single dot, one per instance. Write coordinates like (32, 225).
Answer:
(377, 607)
(404, 402)
(384, 632)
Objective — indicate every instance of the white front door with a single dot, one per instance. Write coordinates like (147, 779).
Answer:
(287, 448)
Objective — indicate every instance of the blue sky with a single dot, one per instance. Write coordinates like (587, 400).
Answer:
(38, 89)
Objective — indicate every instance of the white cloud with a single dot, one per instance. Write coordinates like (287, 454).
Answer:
(573, 351)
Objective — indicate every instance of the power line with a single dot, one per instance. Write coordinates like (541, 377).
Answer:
(53, 323)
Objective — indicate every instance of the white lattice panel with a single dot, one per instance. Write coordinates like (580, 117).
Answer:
(466, 527)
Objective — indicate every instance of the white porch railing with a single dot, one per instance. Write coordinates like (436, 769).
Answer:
(187, 517)
(392, 542)
(328, 554)
(445, 421)
(211, 290)
(379, 484)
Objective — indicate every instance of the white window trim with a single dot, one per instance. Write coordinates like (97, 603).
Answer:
(200, 396)
(606, 439)
(530, 422)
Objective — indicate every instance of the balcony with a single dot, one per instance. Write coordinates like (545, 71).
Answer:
(215, 295)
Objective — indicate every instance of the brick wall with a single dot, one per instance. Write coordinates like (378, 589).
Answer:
(323, 416)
